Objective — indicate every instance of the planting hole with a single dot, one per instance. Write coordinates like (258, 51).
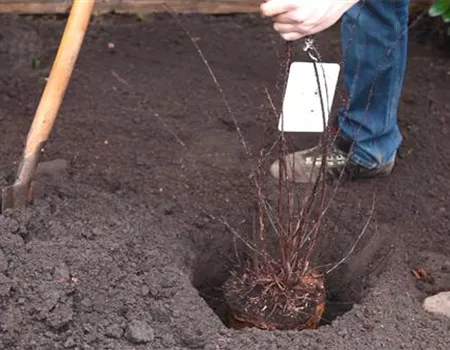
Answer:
(341, 295)
(210, 289)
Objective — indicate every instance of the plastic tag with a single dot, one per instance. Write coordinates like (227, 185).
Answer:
(302, 105)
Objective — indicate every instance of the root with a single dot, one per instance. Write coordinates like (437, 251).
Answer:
(267, 303)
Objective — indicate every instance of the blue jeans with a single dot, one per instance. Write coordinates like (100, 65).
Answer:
(374, 44)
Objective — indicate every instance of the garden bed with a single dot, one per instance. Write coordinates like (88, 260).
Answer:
(123, 252)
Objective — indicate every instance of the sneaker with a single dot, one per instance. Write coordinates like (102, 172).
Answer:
(303, 166)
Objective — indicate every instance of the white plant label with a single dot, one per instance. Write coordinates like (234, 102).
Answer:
(302, 104)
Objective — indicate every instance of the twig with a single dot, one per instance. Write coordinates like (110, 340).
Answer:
(214, 78)
(119, 78)
(345, 258)
(171, 131)
(233, 231)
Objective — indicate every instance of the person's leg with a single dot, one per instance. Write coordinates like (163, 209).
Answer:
(374, 43)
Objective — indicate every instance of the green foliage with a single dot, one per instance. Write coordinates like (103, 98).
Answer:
(441, 8)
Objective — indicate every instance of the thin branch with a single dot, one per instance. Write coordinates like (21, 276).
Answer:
(233, 231)
(170, 130)
(345, 258)
(214, 78)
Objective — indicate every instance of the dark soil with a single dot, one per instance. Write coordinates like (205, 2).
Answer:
(122, 251)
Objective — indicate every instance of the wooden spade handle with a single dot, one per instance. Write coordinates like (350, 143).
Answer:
(59, 78)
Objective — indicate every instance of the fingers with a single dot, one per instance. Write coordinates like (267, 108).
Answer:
(293, 17)
(289, 21)
(292, 36)
(289, 32)
(284, 28)
(272, 8)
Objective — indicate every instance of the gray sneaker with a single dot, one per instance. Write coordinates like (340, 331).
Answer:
(303, 166)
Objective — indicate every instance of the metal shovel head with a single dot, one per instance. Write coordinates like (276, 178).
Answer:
(7, 198)
(21, 193)
(16, 195)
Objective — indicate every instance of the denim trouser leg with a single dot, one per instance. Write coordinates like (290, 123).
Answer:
(374, 43)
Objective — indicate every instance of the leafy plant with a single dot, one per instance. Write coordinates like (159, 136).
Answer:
(441, 8)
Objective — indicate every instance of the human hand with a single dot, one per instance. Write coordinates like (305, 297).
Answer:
(295, 19)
